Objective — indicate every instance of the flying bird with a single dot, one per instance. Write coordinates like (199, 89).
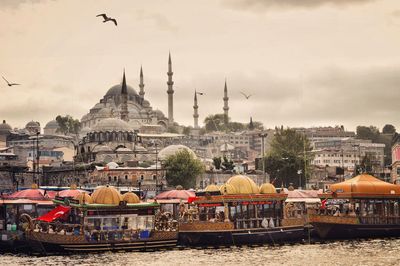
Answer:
(8, 83)
(107, 18)
(200, 93)
(245, 95)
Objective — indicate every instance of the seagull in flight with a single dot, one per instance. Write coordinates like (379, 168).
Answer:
(107, 18)
(200, 93)
(8, 83)
(245, 95)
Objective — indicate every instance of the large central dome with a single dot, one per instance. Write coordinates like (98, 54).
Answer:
(116, 91)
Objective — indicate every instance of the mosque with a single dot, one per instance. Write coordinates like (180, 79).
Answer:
(110, 130)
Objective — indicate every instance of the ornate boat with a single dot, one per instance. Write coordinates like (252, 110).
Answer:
(239, 213)
(361, 207)
(106, 221)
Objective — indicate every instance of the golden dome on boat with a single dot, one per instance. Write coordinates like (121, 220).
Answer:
(267, 188)
(130, 197)
(211, 188)
(106, 195)
(227, 189)
(243, 184)
(365, 184)
(84, 198)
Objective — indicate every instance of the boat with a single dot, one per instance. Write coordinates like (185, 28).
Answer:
(360, 207)
(240, 213)
(14, 209)
(104, 221)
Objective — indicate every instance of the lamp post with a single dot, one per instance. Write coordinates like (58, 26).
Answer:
(263, 136)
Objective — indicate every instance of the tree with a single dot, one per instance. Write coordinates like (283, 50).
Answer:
(182, 169)
(388, 129)
(68, 125)
(290, 152)
(214, 122)
(227, 164)
(186, 130)
(217, 162)
(371, 133)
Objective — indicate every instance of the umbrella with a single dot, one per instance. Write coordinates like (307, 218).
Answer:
(176, 194)
(32, 193)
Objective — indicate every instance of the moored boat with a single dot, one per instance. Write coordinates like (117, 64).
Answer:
(105, 221)
(239, 214)
(361, 207)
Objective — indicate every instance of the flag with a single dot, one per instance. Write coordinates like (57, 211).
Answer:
(58, 212)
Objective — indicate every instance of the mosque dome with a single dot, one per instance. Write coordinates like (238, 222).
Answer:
(116, 91)
(243, 184)
(123, 149)
(84, 198)
(5, 128)
(102, 148)
(53, 124)
(111, 124)
(104, 112)
(84, 131)
(267, 188)
(227, 189)
(130, 197)
(211, 188)
(106, 195)
(112, 165)
(172, 150)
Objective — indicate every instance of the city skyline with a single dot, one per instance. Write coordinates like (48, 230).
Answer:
(318, 63)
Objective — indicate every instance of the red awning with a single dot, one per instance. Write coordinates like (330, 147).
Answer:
(58, 212)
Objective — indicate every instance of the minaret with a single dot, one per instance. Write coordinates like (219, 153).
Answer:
(170, 92)
(124, 103)
(251, 125)
(226, 107)
(195, 113)
(141, 85)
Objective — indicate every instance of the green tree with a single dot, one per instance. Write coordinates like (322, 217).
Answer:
(68, 125)
(186, 131)
(289, 157)
(227, 164)
(182, 169)
(388, 129)
(236, 126)
(214, 122)
(371, 133)
(217, 162)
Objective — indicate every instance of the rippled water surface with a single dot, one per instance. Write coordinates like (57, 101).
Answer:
(362, 252)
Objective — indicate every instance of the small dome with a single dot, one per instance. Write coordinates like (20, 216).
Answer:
(116, 91)
(33, 127)
(5, 128)
(243, 184)
(102, 148)
(112, 124)
(84, 198)
(112, 165)
(211, 188)
(172, 150)
(84, 131)
(130, 197)
(53, 124)
(106, 195)
(32, 124)
(227, 189)
(267, 188)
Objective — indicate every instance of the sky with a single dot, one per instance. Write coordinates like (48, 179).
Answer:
(305, 63)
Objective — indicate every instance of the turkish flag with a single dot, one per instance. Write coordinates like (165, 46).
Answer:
(58, 212)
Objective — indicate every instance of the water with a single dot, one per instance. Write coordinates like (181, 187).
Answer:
(355, 252)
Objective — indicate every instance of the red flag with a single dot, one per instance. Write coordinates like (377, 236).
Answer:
(323, 203)
(58, 212)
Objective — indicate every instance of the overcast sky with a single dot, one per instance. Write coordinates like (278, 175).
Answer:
(305, 62)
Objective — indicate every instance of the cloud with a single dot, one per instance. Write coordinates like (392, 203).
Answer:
(14, 4)
(266, 4)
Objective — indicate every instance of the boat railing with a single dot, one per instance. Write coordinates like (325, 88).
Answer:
(245, 223)
(376, 219)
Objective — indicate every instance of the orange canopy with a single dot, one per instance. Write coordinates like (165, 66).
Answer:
(364, 186)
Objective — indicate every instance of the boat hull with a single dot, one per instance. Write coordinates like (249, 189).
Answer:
(239, 237)
(348, 231)
(46, 243)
